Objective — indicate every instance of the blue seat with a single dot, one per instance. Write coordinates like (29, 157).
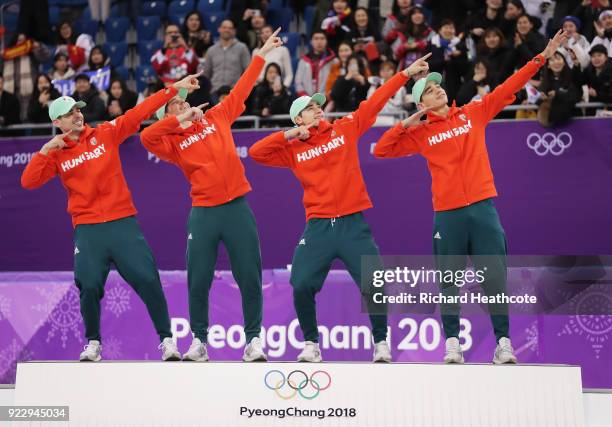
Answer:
(47, 65)
(153, 8)
(116, 28)
(87, 26)
(54, 15)
(212, 21)
(147, 27)
(146, 49)
(178, 7)
(276, 4)
(309, 14)
(291, 41)
(116, 52)
(280, 18)
(10, 21)
(177, 18)
(123, 72)
(145, 74)
(210, 6)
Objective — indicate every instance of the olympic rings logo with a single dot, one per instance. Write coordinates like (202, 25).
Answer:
(549, 143)
(297, 382)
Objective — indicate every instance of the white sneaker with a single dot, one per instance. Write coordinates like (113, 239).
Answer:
(453, 353)
(169, 350)
(382, 352)
(91, 352)
(310, 353)
(253, 352)
(504, 353)
(197, 352)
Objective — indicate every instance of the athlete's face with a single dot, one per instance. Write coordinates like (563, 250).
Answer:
(434, 97)
(309, 115)
(71, 121)
(176, 106)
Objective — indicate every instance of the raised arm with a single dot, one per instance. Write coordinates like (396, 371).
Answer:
(273, 150)
(129, 123)
(401, 139)
(365, 116)
(503, 94)
(152, 138)
(233, 104)
(42, 166)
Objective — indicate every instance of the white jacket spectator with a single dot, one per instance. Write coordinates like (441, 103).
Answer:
(280, 56)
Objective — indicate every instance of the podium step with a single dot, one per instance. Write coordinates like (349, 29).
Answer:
(297, 394)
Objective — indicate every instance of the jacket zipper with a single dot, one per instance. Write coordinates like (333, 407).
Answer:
(461, 164)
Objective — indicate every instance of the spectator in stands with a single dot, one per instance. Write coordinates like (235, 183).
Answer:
(279, 56)
(313, 68)
(154, 84)
(249, 29)
(449, 57)
(100, 9)
(222, 92)
(44, 93)
(542, 11)
(34, 20)
(352, 87)
(398, 102)
(21, 62)
(270, 96)
(514, 10)
(365, 37)
(397, 22)
(577, 45)
(227, 59)
(589, 15)
(598, 75)
(558, 92)
(337, 23)
(119, 100)
(9, 106)
(493, 48)
(98, 60)
(338, 68)
(195, 34)
(246, 8)
(95, 110)
(66, 42)
(527, 42)
(175, 59)
(477, 84)
(412, 44)
(455, 10)
(604, 31)
(61, 69)
(490, 17)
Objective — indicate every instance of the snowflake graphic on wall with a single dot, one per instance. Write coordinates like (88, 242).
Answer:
(5, 307)
(111, 348)
(595, 328)
(117, 300)
(9, 357)
(65, 318)
(51, 295)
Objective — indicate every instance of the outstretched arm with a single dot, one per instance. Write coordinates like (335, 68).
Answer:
(503, 94)
(365, 116)
(233, 104)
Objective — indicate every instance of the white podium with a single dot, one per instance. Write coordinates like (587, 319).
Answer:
(297, 394)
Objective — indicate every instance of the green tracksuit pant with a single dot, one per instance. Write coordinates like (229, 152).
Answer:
(233, 224)
(325, 239)
(473, 231)
(121, 243)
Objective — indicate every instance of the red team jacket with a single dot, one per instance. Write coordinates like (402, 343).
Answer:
(327, 163)
(454, 146)
(205, 151)
(90, 168)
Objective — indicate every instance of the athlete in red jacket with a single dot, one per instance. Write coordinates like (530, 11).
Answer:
(106, 231)
(466, 222)
(324, 158)
(202, 146)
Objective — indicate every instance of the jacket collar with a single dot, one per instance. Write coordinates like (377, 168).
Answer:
(453, 111)
(324, 127)
(87, 132)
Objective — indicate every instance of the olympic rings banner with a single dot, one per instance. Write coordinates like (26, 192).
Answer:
(554, 199)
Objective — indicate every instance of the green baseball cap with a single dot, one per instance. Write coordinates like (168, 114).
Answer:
(419, 86)
(302, 102)
(63, 105)
(162, 110)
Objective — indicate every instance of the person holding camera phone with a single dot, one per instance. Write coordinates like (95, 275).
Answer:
(175, 60)
(44, 93)
(351, 88)
(195, 34)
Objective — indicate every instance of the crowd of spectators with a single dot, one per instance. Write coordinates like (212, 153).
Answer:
(346, 51)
